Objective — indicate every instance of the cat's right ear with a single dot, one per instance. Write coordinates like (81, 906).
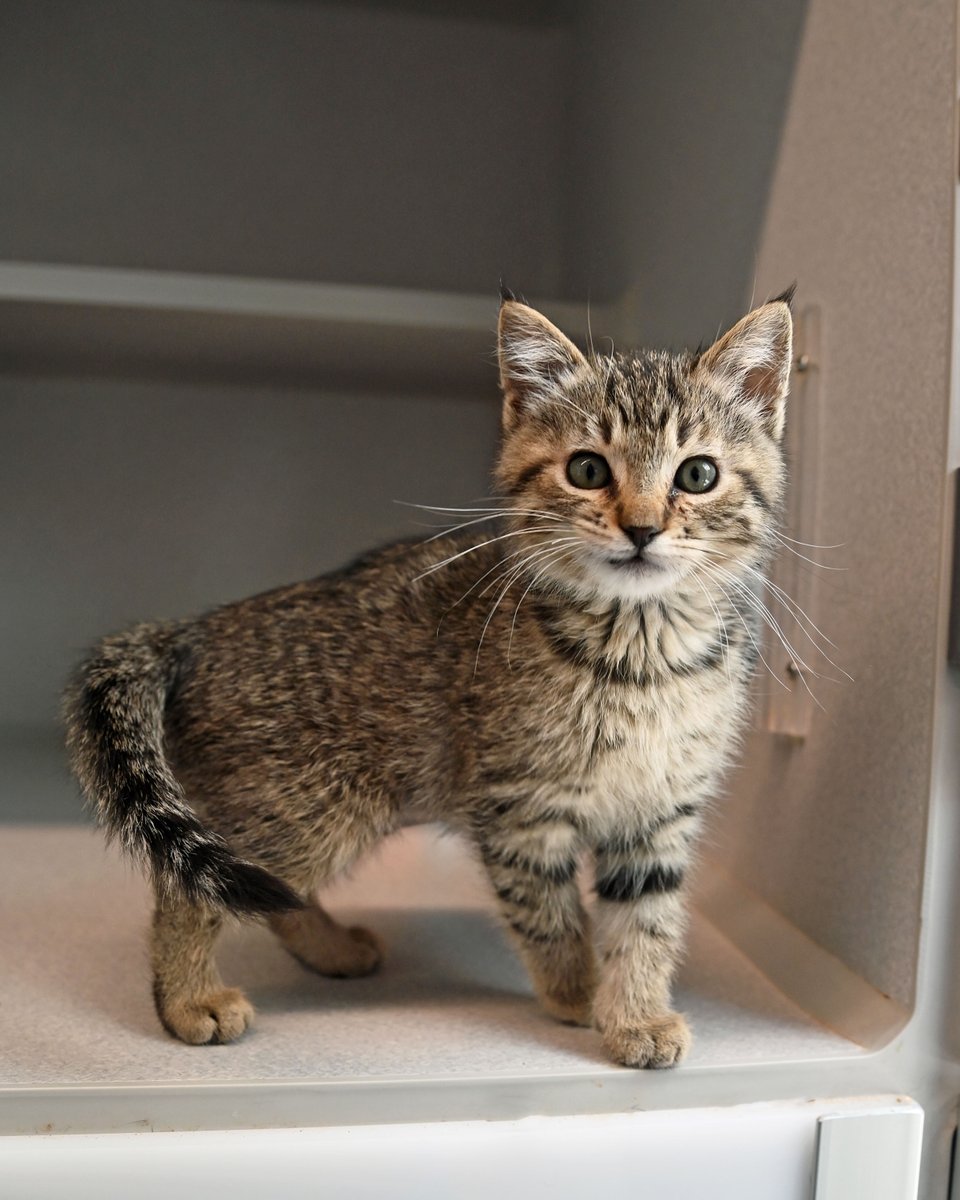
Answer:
(537, 361)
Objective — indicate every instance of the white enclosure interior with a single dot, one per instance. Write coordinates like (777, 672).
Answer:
(172, 441)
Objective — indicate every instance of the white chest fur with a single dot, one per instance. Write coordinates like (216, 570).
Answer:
(661, 731)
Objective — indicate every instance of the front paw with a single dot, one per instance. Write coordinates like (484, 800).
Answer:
(217, 1017)
(656, 1042)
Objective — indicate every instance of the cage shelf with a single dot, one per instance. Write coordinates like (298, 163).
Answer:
(95, 320)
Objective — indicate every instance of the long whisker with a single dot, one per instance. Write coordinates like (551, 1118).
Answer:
(492, 510)
(812, 561)
(513, 575)
(721, 623)
(803, 621)
(749, 632)
(479, 546)
(810, 545)
(448, 529)
(513, 566)
(496, 567)
(559, 556)
(767, 617)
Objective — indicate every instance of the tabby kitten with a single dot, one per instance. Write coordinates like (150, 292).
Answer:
(573, 680)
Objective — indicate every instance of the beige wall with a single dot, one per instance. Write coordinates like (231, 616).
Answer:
(861, 211)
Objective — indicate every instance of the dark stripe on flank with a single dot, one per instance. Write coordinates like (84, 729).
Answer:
(631, 883)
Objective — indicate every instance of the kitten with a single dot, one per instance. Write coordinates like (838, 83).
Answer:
(574, 680)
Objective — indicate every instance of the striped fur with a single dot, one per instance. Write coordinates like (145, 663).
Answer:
(540, 686)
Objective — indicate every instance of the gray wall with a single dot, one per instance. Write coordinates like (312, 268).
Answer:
(676, 133)
(125, 501)
(344, 142)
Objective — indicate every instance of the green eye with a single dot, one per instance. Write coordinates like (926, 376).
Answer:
(696, 475)
(586, 470)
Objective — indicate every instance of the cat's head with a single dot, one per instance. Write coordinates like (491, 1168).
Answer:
(635, 472)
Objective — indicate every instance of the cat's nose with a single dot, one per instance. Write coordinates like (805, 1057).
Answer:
(641, 535)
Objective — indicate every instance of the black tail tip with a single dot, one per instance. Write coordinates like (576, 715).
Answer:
(251, 889)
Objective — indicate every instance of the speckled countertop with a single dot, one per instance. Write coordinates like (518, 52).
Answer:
(450, 1002)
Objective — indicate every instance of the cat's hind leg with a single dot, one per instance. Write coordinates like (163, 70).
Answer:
(191, 1000)
(315, 939)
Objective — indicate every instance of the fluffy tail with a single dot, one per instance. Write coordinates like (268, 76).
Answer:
(114, 712)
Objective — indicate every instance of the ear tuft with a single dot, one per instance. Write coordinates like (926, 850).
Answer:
(505, 293)
(537, 361)
(786, 297)
(752, 361)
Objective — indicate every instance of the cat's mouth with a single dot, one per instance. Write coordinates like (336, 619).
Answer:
(639, 563)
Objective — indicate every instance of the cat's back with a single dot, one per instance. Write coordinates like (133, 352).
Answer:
(360, 640)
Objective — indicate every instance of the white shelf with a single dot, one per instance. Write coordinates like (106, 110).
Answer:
(448, 1029)
(111, 321)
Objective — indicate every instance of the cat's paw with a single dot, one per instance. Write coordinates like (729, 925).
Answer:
(570, 1010)
(220, 1016)
(336, 951)
(656, 1042)
(362, 955)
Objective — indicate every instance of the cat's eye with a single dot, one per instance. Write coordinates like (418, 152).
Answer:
(587, 470)
(696, 475)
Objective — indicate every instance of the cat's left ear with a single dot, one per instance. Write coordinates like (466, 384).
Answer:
(752, 361)
(537, 361)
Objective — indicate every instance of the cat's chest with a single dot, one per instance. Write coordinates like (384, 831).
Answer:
(659, 713)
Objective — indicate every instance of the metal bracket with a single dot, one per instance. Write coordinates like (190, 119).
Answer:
(789, 704)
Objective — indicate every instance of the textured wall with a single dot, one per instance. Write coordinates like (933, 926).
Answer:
(861, 210)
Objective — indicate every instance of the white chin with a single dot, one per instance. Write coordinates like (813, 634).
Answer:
(634, 580)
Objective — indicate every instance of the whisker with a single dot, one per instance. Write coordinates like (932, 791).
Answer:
(803, 621)
(768, 618)
(812, 561)
(479, 546)
(749, 632)
(721, 623)
(493, 582)
(513, 574)
(809, 545)
(499, 563)
(489, 511)
(558, 556)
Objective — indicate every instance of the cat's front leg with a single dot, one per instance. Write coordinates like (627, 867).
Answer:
(533, 872)
(640, 919)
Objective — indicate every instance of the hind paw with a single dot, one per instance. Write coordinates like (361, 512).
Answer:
(320, 943)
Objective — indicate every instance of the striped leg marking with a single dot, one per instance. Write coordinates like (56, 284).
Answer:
(533, 873)
(640, 923)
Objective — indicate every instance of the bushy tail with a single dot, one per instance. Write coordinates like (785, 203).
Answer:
(114, 712)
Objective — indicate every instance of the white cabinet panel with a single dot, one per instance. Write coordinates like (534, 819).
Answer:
(750, 1152)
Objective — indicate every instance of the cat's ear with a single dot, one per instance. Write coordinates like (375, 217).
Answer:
(752, 361)
(536, 361)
